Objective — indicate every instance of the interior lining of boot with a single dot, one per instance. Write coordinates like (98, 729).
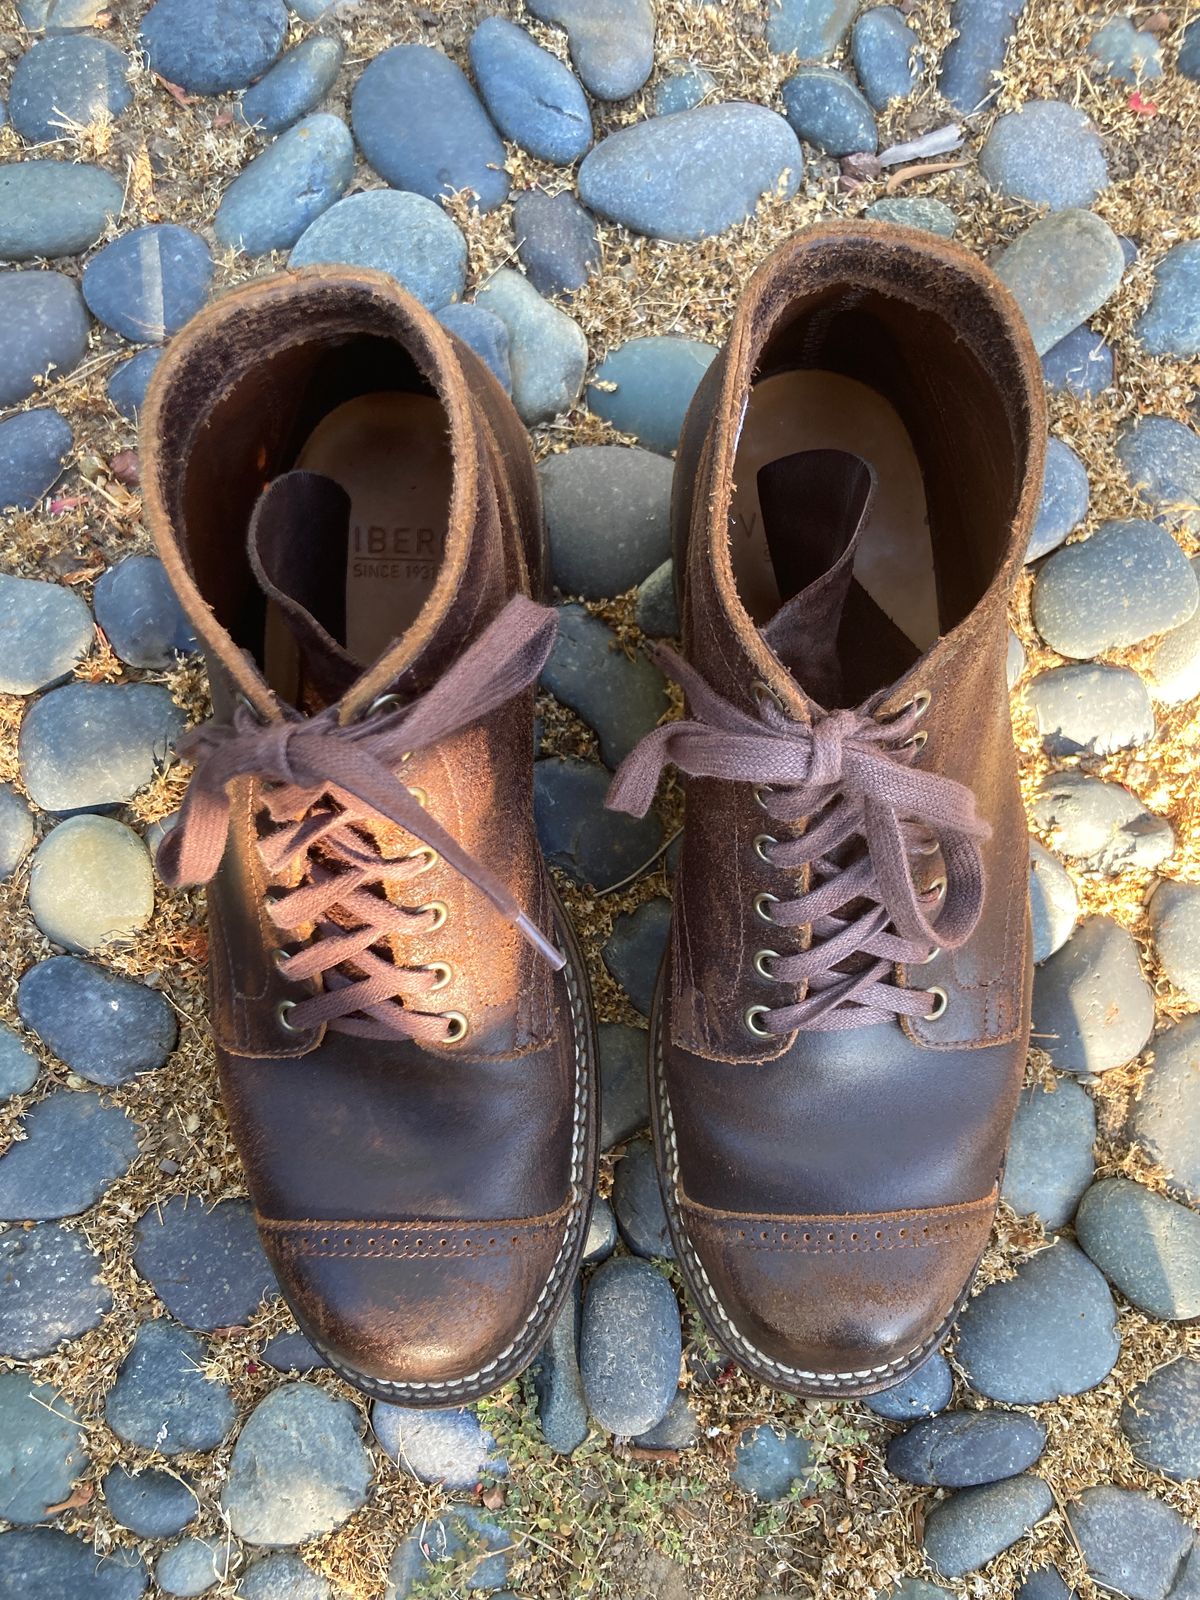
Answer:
(888, 382)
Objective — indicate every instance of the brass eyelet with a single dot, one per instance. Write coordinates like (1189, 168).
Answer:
(761, 902)
(761, 790)
(936, 889)
(940, 1001)
(247, 704)
(760, 964)
(918, 704)
(419, 796)
(764, 696)
(281, 957)
(752, 1018)
(915, 741)
(444, 973)
(932, 956)
(383, 703)
(761, 843)
(457, 1026)
(440, 913)
(429, 855)
(283, 1011)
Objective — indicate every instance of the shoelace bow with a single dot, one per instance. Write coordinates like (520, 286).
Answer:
(327, 783)
(851, 775)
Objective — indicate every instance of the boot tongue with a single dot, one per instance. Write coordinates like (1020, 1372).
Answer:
(297, 550)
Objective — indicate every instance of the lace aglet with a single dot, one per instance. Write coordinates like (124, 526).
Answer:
(540, 943)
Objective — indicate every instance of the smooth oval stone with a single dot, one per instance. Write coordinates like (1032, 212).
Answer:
(963, 1448)
(629, 1346)
(886, 59)
(694, 174)
(624, 1096)
(1173, 664)
(1132, 1542)
(67, 81)
(611, 41)
(194, 1566)
(392, 231)
(923, 1394)
(557, 1385)
(485, 334)
(1170, 326)
(18, 1066)
(810, 29)
(682, 90)
(1050, 1156)
(448, 1447)
(657, 610)
(206, 1265)
(1081, 363)
(295, 85)
(547, 350)
(45, 327)
(1049, 1331)
(1092, 1008)
(633, 953)
(1065, 497)
(1045, 1583)
(53, 208)
(1145, 1244)
(210, 46)
(419, 123)
(1161, 1420)
(92, 746)
(129, 382)
(645, 386)
(578, 834)
(1165, 1117)
(33, 448)
(638, 1203)
(1100, 824)
(45, 629)
(1127, 582)
(967, 1530)
(678, 1430)
(162, 1400)
(768, 1463)
(1060, 270)
(140, 614)
(1090, 710)
(148, 283)
(1047, 153)
(62, 16)
(1175, 922)
(462, 1549)
(75, 1148)
(557, 241)
(1127, 53)
(16, 840)
(533, 98)
(1188, 59)
(152, 1503)
(91, 884)
(299, 1467)
(47, 1564)
(42, 1453)
(273, 200)
(283, 1576)
(916, 211)
(601, 1238)
(1053, 902)
(291, 1352)
(970, 61)
(607, 516)
(1162, 460)
(102, 1026)
(825, 108)
(50, 1289)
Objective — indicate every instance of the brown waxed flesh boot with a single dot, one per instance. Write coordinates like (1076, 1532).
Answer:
(842, 1016)
(347, 507)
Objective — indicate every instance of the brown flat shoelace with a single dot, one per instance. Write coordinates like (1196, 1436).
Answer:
(871, 812)
(327, 782)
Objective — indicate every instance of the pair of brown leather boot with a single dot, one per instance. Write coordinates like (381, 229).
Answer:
(348, 509)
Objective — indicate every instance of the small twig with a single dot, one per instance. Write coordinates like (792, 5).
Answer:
(907, 174)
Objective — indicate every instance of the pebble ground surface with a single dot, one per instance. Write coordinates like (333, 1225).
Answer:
(164, 1429)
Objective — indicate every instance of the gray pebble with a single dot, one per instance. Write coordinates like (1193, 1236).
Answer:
(299, 1467)
(533, 98)
(1060, 270)
(557, 241)
(295, 85)
(148, 283)
(42, 1454)
(16, 841)
(1165, 1118)
(578, 833)
(291, 1352)
(92, 746)
(161, 1399)
(916, 211)
(657, 609)
(624, 1091)
(962, 1448)
(1049, 1331)
(769, 1462)
(885, 55)
(827, 111)
(75, 1148)
(630, 1346)
(1173, 665)
(638, 1203)
(1101, 825)
(1050, 1156)
(18, 1066)
(682, 90)
(611, 41)
(601, 1238)
(1047, 153)
(1170, 326)
(620, 697)
(1080, 363)
(45, 629)
(210, 46)
(645, 386)
(448, 1446)
(102, 1026)
(1086, 709)
(1045, 1583)
(91, 884)
(1092, 1008)
(1064, 503)
(153, 1503)
(1145, 1244)
(1162, 460)
(1129, 54)
(51, 209)
(1189, 51)
(50, 1289)
(283, 1576)
(45, 327)
(1175, 922)
(462, 1548)
(1132, 1542)
(964, 1532)
(557, 1385)
(129, 382)
(693, 174)
(547, 350)
(608, 517)
(205, 1264)
(810, 29)
(393, 231)
(633, 953)
(678, 1430)
(271, 202)
(47, 1564)
(1161, 1420)
(1053, 902)
(141, 617)
(68, 81)
(971, 61)
(60, 16)
(195, 1565)
(483, 333)
(923, 1394)
(33, 449)
(1127, 582)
